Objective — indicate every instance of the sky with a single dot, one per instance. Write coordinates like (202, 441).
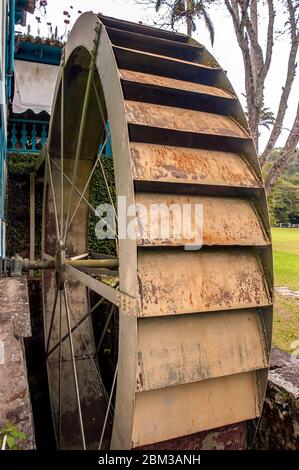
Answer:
(225, 50)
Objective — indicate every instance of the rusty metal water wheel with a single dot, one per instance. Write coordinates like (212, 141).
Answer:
(194, 326)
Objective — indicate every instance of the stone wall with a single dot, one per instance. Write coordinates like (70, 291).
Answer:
(279, 426)
(15, 404)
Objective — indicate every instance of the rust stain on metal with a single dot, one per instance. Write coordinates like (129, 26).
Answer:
(184, 120)
(172, 83)
(192, 166)
(196, 347)
(223, 221)
(214, 401)
(218, 280)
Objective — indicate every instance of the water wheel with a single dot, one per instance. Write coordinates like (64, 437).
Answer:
(189, 328)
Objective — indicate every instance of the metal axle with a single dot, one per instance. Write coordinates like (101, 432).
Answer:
(19, 265)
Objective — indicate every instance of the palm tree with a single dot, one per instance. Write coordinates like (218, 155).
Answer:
(191, 10)
(267, 118)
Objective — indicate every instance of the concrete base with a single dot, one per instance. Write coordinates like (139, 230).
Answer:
(15, 404)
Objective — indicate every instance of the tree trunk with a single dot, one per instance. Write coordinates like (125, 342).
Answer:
(189, 6)
(257, 60)
(189, 26)
(288, 152)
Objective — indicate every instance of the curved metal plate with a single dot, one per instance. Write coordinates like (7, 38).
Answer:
(199, 281)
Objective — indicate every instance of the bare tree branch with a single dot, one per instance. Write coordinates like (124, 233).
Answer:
(257, 65)
(289, 151)
(290, 76)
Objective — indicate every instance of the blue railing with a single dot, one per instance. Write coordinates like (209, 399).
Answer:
(29, 136)
(26, 136)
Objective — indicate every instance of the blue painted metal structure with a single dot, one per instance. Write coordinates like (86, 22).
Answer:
(23, 136)
(7, 26)
(26, 136)
(3, 177)
(38, 52)
(11, 14)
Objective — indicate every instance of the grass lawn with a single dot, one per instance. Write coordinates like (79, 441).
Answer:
(286, 272)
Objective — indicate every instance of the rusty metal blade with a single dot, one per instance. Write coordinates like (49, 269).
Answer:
(156, 80)
(189, 348)
(191, 166)
(162, 46)
(142, 29)
(174, 220)
(185, 409)
(184, 120)
(132, 59)
(176, 281)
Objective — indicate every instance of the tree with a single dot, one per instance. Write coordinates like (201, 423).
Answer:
(189, 11)
(257, 59)
(248, 17)
(284, 198)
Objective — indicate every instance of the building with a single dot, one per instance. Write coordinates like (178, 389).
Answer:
(12, 12)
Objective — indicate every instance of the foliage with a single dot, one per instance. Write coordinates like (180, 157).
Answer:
(249, 19)
(284, 199)
(18, 210)
(19, 168)
(14, 436)
(189, 11)
(21, 164)
(98, 196)
(266, 118)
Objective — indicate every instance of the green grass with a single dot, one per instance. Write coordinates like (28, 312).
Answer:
(286, 240)
(285, 322)
(286, 270)
(286, 274)
(286, 257)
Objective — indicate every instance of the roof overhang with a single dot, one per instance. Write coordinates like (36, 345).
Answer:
(34, 87)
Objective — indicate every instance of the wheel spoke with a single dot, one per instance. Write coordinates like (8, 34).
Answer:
(62, 144)
(110, 293)
(98, 160)
(99, 102)
(105, 328)
(92, 310)
(109, 406)
(82, 126)
(111, 200)
(51, 322)
(91, 356)
(107, 188)
(74, 258)
(107, 137)
(54, 196)
(84, 199)
(48, 257)
(74, 369)
(101, 166)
